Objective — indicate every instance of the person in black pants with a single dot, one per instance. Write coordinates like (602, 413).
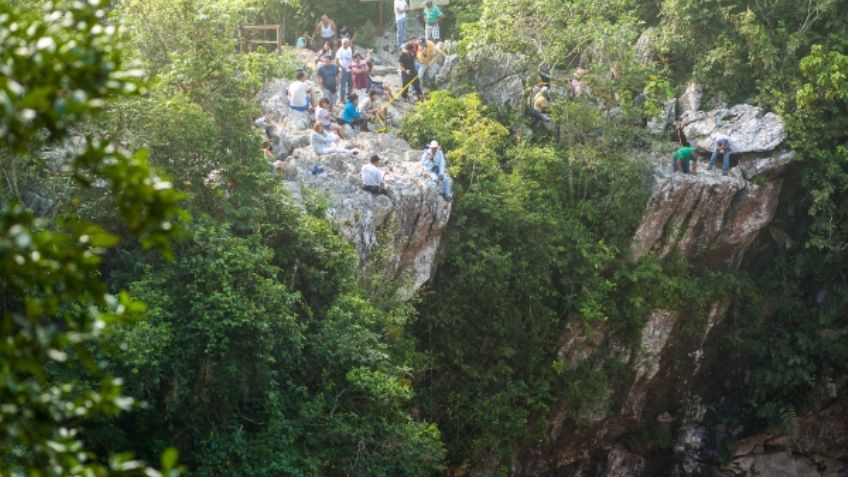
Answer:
(408, 73)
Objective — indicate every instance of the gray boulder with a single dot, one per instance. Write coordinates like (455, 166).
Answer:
(665, 119)
(749, 127)
(401, 230)
(398, 233)
(690, 100)
(497, 76)
(709, 217)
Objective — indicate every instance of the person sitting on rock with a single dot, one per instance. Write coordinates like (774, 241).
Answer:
(303, 41)
(681, 159)
(434, 162)
(370, 107)
(351, 114)
(300, 94)
(722, 146)
(324, 115)
(325, 142)
(372, 177)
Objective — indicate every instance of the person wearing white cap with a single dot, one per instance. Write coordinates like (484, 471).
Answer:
(434, 162)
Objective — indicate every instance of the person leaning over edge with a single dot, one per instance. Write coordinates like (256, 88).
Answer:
(681, 158)
(724, 147)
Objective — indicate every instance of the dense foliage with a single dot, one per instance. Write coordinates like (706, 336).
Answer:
(54, 305)
(261, 352)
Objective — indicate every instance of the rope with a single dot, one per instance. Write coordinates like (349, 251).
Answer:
(383, 124)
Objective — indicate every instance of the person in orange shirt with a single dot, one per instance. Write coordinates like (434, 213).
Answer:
(427, 53)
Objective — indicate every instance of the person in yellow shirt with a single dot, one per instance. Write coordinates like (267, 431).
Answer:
(426, 52)
(540, 106)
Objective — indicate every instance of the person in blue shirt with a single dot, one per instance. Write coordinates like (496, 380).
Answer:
(434, 162)
(351, 114)
(724, 147)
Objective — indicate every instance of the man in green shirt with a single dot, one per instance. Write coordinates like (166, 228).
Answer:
(681, 159)
(432, 14)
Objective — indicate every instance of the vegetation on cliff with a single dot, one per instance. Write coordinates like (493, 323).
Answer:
(258, 351)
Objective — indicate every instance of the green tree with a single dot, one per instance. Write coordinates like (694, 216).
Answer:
(56, 70)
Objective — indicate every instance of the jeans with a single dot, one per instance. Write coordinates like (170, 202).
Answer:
(725, 166)
(684, 165)
(420, 68)
(346, 87)
(446, 182)
(401, 31)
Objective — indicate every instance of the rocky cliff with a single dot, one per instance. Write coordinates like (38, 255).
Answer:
(675, 370)
(400, 232)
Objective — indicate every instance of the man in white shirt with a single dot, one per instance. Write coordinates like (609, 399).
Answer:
(344, 58)
(400, 20)
(299, 93)
(372, 177)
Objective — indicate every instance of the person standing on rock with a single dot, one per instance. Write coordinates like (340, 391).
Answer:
(400, 20)
(724, 147)
(432, 14)
(300, 94)
(681, 159)
(434, 162)
(344, 58)
(326, 29)
(359, 73)
(408, 75)
(328, 79)
(372, 177)
(426, 54)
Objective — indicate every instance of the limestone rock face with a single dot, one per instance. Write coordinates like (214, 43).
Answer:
(749, 127)
(707, 216)
(497, 76)
(674, 360)
(621, 463)
(665, 119)
(690, 100)
(401, 231)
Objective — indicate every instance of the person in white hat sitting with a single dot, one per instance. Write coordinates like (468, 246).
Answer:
(433, 161)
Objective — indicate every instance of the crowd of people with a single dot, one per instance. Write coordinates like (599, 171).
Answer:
(349, 95)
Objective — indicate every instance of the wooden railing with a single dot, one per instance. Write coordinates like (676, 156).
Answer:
(247, 39)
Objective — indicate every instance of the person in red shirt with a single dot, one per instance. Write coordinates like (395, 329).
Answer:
(359, 70)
